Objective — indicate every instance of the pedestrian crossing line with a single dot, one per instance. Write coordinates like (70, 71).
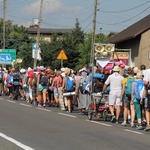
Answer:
(2, 98)
(67, 115)
(104, 124)
(11, 101)
(25, 105)
(44, 109)
(133, 131)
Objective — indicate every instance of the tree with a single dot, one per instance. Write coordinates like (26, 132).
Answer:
(70, 43)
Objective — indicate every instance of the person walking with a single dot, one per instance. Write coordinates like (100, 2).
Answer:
(146, 80)
(16, 83)
(115, 94)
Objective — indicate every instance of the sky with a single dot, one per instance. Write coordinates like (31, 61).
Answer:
(112, 15)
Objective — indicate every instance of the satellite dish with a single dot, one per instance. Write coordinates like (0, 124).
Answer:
(36, 21)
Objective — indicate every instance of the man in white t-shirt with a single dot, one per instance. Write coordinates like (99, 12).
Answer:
(115, 94)
(147, 94)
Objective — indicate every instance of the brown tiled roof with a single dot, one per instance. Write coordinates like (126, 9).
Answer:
(132, 31)
(48, 31)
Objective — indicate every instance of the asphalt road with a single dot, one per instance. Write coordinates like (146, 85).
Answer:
(23, 126)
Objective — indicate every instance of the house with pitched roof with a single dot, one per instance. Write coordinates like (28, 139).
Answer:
(46, 33)
(136, 38)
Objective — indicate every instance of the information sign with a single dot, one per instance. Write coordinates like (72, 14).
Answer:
(7, 56)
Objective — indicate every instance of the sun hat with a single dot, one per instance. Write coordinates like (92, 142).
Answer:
(68, 71)
(83, 69)
(22, 70)
(139, 75)
(29, 68)
(136, 70)
(116, 68)
(63, 69)
(42, 68)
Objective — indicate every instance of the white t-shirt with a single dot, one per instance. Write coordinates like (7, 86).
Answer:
(147, 75)
(115, 81)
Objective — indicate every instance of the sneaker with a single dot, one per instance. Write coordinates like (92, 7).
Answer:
(132, 125)
(124, 124)
(117, 121)
(69, 111)
(113, 118)
(39, 105)
(139, 127)
(44, 105)
(147, 128)
(81, 113)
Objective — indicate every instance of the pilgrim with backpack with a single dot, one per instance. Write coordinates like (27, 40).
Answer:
(68, 88)
(42, 82)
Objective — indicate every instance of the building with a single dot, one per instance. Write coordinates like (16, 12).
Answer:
(46, 33)
(137, 38)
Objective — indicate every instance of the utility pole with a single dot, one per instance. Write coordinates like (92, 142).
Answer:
(4, 19)
(93, 33)
(93, 41)
(38, 34)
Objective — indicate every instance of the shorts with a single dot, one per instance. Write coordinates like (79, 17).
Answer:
(34, 91)
(126, 98)
(42, 87)
(115, 99)
(55, 92)
(26, 89)
(147, 102)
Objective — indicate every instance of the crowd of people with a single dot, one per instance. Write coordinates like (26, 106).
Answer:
(129, 92)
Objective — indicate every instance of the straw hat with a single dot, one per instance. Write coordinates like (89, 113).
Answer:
(68, 71)
(139, 75)
(136, 70)
(116, 68)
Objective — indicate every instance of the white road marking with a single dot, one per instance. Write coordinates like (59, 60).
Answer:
(11, 101)
(132, 131)
(44, 109)
(25, 147)
(25, 105)
(2, 98)
(104, 124)
(67, 115)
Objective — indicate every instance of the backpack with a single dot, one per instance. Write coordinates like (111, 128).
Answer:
(70, 84)
(139, 89)
(26, 79)
(34, 81)
(128, 87)
(10, 79)
(87, 87)
(16, 76)
(44, 79)
(97, 85)
(83, 86)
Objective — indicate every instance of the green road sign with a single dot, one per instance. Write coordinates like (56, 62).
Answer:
(7, 56)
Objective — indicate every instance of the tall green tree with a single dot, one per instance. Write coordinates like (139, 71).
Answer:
(70, 43)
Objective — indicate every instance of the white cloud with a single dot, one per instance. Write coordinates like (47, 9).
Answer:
(51, 6)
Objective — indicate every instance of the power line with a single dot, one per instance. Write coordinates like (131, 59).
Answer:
(124, 10)
(125, 20)
(87, 26)
(19, 2)
(87, 18)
